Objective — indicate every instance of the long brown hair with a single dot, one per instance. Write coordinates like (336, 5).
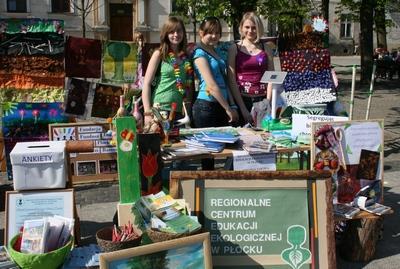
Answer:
(171, 25)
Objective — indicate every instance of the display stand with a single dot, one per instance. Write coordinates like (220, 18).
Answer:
(276, 79)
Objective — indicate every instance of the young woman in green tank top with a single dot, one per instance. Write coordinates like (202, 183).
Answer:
(171, 66)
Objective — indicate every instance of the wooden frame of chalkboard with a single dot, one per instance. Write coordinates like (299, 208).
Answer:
(103, 161)
(187, 252)
(262, 219)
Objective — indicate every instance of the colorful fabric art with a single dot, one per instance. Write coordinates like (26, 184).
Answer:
(309, 79)
(119, 62)
(82, 57)
(106, 100)
(14, 26)
(32, 95)
(28, 122)
(32, 71)
(77, 95)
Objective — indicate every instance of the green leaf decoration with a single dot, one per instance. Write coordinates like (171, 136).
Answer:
(380, 148)
(347, 125)
(348, 149)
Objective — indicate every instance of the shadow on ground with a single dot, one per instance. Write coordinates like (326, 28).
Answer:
(389, 244)
(88, 231)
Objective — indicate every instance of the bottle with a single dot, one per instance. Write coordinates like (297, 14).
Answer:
(121, 110)
(136, 114)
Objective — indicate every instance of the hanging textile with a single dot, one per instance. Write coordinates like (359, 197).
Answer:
(82, 57)
(119, 62)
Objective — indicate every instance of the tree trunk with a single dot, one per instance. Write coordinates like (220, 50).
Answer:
(325, 9)
(380, 26)
(325, 14)
(83, 14)
(366, 38)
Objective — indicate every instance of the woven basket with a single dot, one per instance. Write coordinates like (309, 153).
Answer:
(104, 236)
(157, 236)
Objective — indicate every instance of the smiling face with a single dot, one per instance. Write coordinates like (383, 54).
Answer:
(211, 38)
(175, 37)
(249, 30)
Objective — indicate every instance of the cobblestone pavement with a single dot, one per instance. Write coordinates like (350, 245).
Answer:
(97, 203)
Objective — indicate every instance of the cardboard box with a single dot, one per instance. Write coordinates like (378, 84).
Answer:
(39, 165)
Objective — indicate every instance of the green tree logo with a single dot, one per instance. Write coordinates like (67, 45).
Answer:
(296, 255)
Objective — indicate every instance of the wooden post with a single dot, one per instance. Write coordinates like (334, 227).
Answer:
(360, 238)
(371, 91)
(127, 159)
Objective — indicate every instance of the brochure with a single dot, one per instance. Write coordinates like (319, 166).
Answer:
(34, 235)
(344, 210)
(377, 209)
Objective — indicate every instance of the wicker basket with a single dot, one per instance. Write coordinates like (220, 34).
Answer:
(157, 236)
(104, 236)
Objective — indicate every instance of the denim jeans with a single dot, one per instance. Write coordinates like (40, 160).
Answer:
(209, 114)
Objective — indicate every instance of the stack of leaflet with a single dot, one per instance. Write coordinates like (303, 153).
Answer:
(282, 139)
(163, 213)
(210, 141)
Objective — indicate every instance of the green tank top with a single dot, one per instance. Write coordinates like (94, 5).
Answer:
(166, 91)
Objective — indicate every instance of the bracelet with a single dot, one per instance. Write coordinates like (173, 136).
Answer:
(148, 113)
(233, 107)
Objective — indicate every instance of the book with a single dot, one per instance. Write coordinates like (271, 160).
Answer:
(377, 209)
(223, 137)
(181, 224)
(344, 210)
(5, 260)
(34, 236)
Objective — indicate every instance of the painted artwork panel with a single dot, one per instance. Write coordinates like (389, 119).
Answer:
(106, 100)
(119, 62)
(82, 57)
(77, 95)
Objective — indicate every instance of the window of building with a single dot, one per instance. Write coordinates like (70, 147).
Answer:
(16, 6)
(61, 6)
(345, 26)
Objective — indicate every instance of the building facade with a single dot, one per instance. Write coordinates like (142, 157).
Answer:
(119, 19)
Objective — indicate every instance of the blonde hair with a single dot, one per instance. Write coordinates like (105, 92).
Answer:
(253, 17)
(172, 24)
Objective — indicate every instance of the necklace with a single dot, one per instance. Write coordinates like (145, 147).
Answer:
(183, 88)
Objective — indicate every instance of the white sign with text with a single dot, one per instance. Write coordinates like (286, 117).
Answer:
(301, 123)
(242, 161)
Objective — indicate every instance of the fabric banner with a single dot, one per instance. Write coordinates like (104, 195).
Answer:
(28, 122)
(32, 95)
(106, 100)
(14, 26)
(82, 57)
(32, 71)
(119, 62)
(77, 95)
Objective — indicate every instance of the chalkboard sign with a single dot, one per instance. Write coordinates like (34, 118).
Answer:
(262, 219)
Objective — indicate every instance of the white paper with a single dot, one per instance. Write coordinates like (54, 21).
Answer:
(301, 123)
(242, 160)
(361, 135)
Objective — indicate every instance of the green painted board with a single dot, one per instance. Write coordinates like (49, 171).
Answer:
(128, 161)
